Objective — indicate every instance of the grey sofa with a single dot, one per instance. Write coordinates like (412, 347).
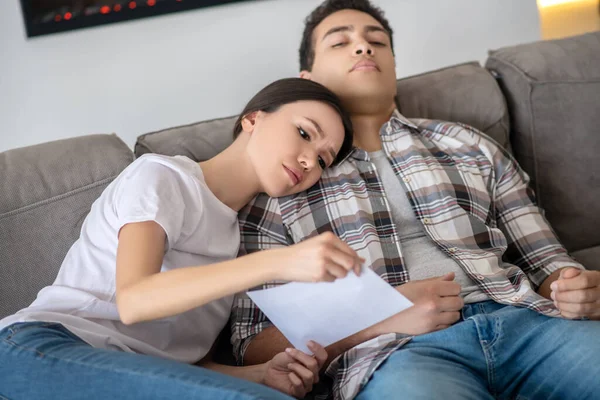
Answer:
(542, 100)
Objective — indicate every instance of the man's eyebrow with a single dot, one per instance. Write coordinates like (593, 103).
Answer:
(350, 28)
(375, 28)
(321, 134)
(336, 29)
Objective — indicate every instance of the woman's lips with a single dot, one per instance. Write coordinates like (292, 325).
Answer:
(294, 176)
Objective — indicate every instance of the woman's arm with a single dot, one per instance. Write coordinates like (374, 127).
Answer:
(144, 294)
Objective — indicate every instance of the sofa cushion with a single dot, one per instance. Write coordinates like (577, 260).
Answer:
(553, 93)
(589, 257)
(199, 141)
(464, 93)
(46, 192)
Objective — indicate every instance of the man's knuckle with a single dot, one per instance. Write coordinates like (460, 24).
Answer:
(321, 252)
(430, 305)
(585, 280)
(328, 236)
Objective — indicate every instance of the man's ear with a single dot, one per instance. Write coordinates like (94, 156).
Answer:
(249, 122)
(304, 74)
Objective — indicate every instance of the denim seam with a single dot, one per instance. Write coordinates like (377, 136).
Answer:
(489, 360)
(15, 345)
(24, 326)
(498, 325)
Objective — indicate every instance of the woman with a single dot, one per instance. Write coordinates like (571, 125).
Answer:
(148, 285)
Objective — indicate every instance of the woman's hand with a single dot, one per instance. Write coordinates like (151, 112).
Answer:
(294, 372)
(322, 258)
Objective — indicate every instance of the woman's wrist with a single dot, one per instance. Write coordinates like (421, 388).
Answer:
(272, 265)
(262, 372)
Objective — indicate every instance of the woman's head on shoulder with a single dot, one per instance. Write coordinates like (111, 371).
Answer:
(293, 129)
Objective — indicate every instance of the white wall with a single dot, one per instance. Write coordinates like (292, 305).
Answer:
(144, 75)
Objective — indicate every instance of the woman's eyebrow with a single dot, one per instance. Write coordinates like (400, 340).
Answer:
(321, 134)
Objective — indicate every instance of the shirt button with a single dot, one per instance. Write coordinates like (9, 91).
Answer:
(406, 179)
(480, 277)
(452, 249)
(426, 221)
(516, 298)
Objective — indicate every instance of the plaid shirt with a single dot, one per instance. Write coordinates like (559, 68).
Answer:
(472, 198)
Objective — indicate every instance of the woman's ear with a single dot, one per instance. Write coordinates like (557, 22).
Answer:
(249, 122)
(304, 74)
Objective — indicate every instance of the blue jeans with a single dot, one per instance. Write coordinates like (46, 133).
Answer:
(495, 352)
(40, 360)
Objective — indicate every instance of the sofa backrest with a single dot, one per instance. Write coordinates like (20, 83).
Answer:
(45, 193)
(464, 93)
(553, 92)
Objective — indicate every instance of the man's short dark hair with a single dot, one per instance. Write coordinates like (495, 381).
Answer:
(328, 7)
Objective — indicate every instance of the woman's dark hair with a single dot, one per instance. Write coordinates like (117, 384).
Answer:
(290, 90)
(307, 50)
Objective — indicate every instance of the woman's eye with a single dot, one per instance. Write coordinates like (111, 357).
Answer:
(322, 163)
(378, 43)
(337, 45)
(303, 133)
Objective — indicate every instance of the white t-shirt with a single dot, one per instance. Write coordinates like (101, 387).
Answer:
(200, 230)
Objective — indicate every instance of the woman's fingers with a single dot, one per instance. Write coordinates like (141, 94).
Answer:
(319, 353)
(298, 386)
(354, 261)
(306, 376)
(304, 359)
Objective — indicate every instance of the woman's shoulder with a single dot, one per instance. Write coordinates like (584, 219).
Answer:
(177, 163)
(154, 168)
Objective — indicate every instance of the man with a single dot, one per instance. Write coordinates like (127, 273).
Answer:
(446, 216)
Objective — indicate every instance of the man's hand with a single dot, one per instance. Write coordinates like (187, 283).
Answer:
(576, 293)
(437, 305)
(294, 372)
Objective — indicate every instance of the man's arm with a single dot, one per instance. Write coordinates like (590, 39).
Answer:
(437, 303)
(532, 244)
(545, 289)
(271, 341)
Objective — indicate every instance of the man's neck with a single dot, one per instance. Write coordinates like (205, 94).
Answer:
(367, 127)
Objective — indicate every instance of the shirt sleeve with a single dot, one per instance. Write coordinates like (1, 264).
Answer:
(151, 191)
(532, 244)
(261, 228)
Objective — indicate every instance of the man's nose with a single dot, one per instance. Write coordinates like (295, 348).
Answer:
(363, 48)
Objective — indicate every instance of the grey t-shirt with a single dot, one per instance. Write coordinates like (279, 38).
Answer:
(423, 258)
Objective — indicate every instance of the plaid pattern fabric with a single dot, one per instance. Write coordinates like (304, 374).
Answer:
(472, 198)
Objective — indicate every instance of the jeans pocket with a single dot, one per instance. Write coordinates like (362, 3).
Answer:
(46, 327)
(22, 326)
(61, 328)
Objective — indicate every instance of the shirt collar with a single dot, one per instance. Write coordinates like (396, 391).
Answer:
(396, 122)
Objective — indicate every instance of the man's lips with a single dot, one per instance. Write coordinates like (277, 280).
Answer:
(294, 175)
(365, 65)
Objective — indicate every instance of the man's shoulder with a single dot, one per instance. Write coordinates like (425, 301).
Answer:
(458, 132)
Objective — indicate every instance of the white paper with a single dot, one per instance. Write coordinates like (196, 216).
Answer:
(327, 312)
